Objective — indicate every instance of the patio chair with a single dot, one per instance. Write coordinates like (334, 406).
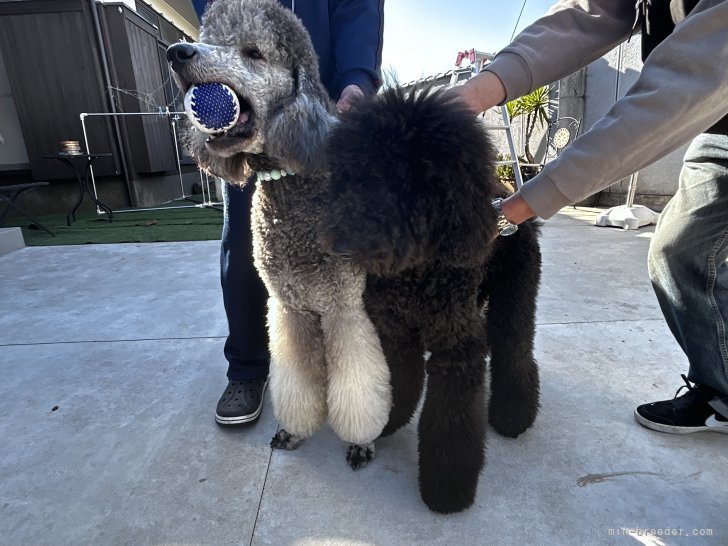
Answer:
(9, 194)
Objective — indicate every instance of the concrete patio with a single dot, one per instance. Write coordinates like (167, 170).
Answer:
(111, 364)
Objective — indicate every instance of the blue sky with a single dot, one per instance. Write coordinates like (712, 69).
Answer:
(422, 37)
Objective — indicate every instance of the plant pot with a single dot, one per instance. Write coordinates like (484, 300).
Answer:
(509, 183)
(528, 172)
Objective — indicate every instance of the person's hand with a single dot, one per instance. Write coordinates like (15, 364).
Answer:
(516, 210)
(349, 97)
(480, 93)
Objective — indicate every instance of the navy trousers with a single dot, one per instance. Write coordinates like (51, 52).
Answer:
(244, 294)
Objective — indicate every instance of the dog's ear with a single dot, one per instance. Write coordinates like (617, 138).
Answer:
(299, 126)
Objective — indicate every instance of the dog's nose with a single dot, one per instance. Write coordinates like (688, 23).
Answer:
(180, 54)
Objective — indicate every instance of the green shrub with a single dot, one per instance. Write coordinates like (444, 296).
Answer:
(505, 172)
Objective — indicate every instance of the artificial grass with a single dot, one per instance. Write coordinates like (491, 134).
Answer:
(188, 224)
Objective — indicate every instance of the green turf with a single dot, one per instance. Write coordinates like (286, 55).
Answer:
(188, 224)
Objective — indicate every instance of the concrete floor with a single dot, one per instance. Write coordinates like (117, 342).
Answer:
(111, 364)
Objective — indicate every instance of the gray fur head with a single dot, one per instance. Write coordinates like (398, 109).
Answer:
(263, 52)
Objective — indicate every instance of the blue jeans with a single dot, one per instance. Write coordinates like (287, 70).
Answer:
(687, 262)
(244, 294)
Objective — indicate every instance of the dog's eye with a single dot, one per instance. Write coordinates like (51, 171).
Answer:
(253, 53)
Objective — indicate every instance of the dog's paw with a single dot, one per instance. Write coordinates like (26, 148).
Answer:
(360, 455)
(286, 440)
(448, 497)
(511, 421)
(449, 472)
(514, 406)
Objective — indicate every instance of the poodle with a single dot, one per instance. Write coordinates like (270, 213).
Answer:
(377, 243)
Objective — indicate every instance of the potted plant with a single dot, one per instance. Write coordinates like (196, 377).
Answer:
(535, 108)
(505, 172)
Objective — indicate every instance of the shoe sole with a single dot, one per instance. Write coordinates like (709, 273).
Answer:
(670, 429)
(242, 419)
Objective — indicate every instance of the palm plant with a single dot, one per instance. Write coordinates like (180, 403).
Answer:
(535, 106)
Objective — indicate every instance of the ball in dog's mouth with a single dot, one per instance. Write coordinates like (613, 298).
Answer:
(215, 109)
(212, 107)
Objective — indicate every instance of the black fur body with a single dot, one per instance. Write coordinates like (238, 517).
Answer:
(412, 180)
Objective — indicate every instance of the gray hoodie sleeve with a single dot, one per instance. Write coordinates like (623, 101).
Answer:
(681, 91)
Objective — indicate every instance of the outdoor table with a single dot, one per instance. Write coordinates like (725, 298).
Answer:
(80, 166)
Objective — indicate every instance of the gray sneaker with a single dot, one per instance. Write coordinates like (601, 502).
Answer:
(241, 402)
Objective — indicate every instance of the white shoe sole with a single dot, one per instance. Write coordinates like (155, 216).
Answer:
(670, 429)
(242, 419)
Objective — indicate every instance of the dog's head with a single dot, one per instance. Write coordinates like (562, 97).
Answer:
(262, 51)
(411, 181)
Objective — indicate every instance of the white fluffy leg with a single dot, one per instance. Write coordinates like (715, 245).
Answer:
(359, 396)
(298, 369)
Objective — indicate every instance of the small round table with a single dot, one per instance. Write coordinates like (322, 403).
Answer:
(78, 164)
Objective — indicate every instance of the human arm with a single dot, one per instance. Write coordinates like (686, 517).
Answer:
(680, 92)
(545, 52)
(356, 35)
(571, 35)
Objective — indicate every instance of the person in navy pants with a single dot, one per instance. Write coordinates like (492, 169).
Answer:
(347, 37)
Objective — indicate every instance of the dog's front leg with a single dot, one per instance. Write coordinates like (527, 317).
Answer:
(359, 395)
(452, 428)
(511, 288)
(297, 375)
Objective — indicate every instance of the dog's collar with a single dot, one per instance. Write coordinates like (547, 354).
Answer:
(275, 174)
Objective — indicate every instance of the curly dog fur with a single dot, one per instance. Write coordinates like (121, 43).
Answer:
(380, 248)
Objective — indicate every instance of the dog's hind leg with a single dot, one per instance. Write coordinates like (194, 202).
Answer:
(297, 375)
(452, 424)
(405, 356)
(511, 287)
(359, 394)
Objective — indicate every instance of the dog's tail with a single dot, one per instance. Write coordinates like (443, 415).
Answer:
(412, 177)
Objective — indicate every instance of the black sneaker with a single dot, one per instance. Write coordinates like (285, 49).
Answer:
(241, 402)
(691, 412)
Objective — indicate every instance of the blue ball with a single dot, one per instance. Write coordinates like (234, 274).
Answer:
(212, 107)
